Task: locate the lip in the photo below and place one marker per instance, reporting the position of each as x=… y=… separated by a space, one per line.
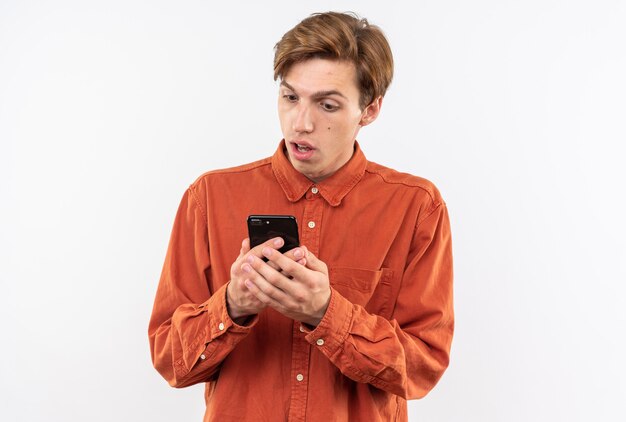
x=302 y=143
x=301 y=155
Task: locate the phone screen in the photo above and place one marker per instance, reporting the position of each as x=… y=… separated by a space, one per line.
x=264 y=227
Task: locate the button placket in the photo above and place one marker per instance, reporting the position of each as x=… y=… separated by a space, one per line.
x=300 y=357
x=310 y=236
x=301 y=349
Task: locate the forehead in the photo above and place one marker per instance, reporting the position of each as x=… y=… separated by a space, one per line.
x=315 y=75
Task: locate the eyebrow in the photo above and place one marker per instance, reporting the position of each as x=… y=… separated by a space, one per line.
x=317 y=94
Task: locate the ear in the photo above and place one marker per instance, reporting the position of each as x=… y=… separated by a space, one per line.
x=371 y=112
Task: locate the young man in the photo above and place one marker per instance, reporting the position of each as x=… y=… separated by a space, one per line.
x=356 y=320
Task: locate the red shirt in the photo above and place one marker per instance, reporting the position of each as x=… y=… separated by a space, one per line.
x=386 y=335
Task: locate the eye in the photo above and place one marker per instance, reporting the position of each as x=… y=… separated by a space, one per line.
x=292 y=98
x=328 y=106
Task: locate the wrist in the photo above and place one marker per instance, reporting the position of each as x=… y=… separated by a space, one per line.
x=237 y=314
x=315 y=319
x=231 y=307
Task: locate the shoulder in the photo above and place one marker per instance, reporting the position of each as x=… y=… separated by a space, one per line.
x=394 y=179
x=234 y=174
x=244 y=168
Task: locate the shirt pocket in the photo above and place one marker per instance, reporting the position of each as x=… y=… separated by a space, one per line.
x=368 y=288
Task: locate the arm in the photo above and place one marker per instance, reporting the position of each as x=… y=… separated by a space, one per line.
x=190 y=330
x=406 y=355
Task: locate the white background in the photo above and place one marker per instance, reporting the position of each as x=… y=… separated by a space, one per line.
x=515 y=109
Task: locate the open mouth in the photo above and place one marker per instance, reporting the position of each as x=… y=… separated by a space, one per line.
x=302 y=151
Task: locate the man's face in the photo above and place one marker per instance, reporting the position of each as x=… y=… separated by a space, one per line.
x=318 y=107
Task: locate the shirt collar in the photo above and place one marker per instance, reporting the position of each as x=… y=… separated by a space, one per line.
x=333 y=189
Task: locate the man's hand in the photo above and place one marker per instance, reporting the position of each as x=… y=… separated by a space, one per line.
x=241 y=302
x=300 y=292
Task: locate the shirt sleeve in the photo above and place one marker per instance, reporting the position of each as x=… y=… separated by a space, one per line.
x=407 y=354
x=190 y=331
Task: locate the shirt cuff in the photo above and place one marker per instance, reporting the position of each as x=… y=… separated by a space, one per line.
x=331 y=332
x=220 y=321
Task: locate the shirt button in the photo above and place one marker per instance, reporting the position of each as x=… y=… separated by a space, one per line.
x=299 y=377
x=315 y=190
x=311 y=224
x=320 y=342
x=202 y=357
x=221 y=326
x=301 y=329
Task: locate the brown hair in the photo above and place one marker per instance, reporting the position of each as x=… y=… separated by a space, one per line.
x=340 y=36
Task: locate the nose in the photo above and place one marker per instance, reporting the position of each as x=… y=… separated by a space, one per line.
x=303 y=122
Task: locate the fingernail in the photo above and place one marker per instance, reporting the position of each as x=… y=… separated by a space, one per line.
x=246 y=268
x=250 y=259
x=268 y=251
x=278 y=242
x=298 y=253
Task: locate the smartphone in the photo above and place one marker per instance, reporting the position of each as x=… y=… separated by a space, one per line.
x=265 y=227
